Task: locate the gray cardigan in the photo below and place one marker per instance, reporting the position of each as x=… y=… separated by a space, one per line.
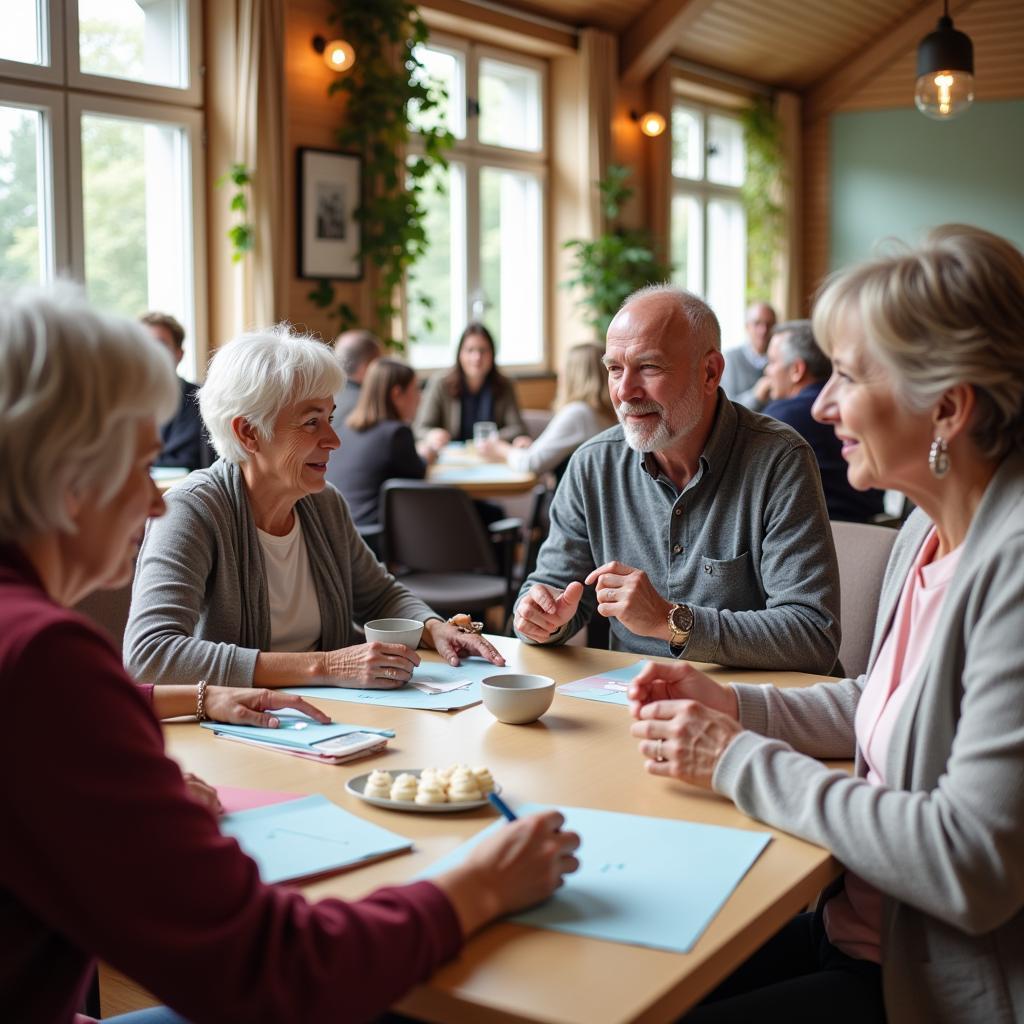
x=944 y=839
x=199 y=599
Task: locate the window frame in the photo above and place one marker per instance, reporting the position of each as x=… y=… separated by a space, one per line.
x=474 y=156
x=64 y=92
x=702 y=189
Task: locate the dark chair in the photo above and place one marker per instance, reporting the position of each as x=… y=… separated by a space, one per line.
x=441 y=550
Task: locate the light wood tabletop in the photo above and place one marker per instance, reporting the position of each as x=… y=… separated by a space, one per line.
x=579 y=754
x=460 y=466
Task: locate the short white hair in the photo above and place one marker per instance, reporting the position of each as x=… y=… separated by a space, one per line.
x=694 y=310
x=258 y=374
x=74 y=385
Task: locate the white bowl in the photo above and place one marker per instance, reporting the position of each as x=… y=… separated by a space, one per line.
x=395 y=631
x=517 y=699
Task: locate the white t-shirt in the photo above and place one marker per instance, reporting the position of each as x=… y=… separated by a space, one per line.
x=294 y=611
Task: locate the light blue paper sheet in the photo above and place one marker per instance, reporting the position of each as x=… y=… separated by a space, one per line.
x=471 y=670
x=302 y=838
x=595 y=687
x=642 y=881
x=295 y=731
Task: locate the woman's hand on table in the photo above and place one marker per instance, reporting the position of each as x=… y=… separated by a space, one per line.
x=520 y=865
x=453 y=644
x=437 y=438
x=238 y=706
x=370 y=666
x=660 y=682
x=203 y=793
x=684 y=739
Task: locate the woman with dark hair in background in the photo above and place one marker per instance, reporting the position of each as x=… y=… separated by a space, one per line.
x=473 y=391
x=376 y=441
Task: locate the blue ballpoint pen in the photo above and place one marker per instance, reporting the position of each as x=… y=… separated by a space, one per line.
x=502 y=806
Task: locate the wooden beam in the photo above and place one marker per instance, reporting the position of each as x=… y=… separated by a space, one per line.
x=649 y=41
x=827 y=93
x=501 y=26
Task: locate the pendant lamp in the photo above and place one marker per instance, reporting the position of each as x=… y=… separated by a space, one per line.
x=945 y=71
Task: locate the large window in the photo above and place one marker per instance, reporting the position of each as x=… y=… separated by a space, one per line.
x=708 y=230
x=101 y=165
x=485 y=220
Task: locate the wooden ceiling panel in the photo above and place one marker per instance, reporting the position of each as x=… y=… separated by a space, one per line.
x=787 y=42
x=996 y=28
x=614 y=15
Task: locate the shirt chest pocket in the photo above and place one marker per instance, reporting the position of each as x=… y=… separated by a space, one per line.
x=726 y=583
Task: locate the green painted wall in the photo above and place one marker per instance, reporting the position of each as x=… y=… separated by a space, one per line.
x=897 y=173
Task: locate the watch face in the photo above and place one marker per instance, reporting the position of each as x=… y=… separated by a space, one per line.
x=682 y=618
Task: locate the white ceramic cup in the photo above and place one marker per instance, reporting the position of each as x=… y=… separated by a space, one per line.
x=517 y=699
x=484 y=431
x=394 y=631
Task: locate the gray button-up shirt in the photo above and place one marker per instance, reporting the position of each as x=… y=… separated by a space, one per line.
x=746 y=544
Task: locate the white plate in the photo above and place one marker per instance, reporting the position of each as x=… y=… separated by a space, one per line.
x=357 y=785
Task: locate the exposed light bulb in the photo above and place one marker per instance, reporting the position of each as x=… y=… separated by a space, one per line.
x=944 y=94
x=652 y=124
x=339 y=55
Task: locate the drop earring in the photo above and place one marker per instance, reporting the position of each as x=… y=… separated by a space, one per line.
x=938 y=457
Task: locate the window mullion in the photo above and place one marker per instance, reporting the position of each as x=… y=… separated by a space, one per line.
x=476 y=301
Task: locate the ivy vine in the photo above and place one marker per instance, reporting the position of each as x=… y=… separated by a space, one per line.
x=385 y=85
x=242 y=234
x=762 y=133
x=610 y=267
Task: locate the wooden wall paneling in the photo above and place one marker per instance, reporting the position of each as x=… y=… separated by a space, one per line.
x=310 y=117
x=815 y=237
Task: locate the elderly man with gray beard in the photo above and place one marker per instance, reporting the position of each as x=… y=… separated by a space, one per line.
x=697 y=527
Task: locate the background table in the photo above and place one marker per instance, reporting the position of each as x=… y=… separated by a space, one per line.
x=460 y=466
x=580 y=754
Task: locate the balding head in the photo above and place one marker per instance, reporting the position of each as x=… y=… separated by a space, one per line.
x=664 y=362
x=356 y=350
x=665 y=311
x=759 y=321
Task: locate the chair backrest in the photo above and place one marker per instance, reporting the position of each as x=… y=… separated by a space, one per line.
x=536 y=420
x=863 y=552
x=433 y=528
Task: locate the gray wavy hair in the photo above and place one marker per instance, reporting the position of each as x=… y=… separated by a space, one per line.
x=947 y=312
x=256 y=375
x=74 y=382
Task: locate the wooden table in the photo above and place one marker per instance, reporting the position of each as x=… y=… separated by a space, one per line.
x=580 y=754
x=460 y=466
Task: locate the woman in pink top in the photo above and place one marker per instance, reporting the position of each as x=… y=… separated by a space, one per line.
x=927 y=923
x=103 y=851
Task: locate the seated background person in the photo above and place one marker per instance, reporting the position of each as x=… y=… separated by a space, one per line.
x=184 y=443
x=927 y=923
x=700 y=526
x=356 y=351
x=376 y=441
x=256 y=574
x=583 y=410
x=796 y=372
x=742 y=379
x=473 y=391
x=104 y=851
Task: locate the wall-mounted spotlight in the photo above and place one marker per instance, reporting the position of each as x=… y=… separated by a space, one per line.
x=945 y=71
x=338 y=54
x=651 y=123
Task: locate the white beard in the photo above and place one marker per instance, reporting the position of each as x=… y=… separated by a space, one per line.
x=660 y=435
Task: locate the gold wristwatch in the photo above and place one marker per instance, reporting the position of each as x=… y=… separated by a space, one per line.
x=680 y=621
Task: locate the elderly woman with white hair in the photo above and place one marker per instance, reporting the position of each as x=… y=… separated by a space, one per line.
x=105 y=853
x=257 y=573
x=927 y=923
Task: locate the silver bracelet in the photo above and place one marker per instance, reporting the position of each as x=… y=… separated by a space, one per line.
x=201 y=701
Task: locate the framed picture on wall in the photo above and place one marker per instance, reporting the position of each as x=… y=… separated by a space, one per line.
x=329 y=193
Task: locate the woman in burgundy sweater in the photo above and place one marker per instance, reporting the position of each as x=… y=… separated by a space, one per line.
x=104 y=853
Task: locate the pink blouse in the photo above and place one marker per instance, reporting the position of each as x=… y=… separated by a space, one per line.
x=853 y=918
